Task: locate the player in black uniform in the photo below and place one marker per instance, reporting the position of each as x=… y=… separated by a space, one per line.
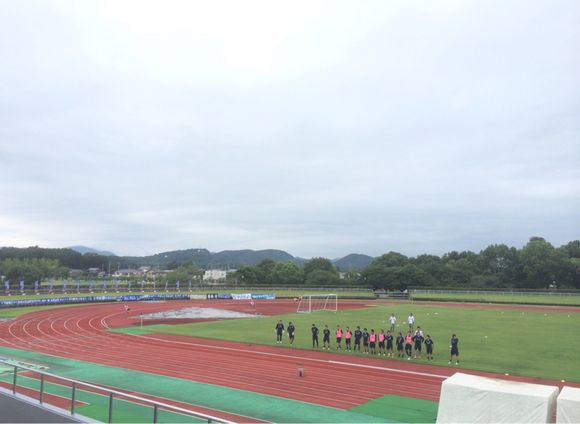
x=389 y=339
x=314 y=330
x=365 y=336
x=429 y=347
x=326 y=338
x=454 y=349
x=418 y=339
x=291 y=330
x=279 y=331
x=400 y=343
x=357 y=337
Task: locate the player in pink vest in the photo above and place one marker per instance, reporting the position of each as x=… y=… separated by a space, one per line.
x=373 y=342
x=409 y=345
x=338 y=337
x=347 y=337
x=382 y=343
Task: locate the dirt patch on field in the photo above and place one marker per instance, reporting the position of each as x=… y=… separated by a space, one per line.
x=196 y=313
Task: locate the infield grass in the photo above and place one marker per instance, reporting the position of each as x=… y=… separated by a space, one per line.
x=527 y=343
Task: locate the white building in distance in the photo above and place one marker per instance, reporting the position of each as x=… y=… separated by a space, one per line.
x=214 y=274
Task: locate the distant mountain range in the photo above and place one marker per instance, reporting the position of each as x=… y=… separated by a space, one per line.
x=84 y=249
x=224 y=259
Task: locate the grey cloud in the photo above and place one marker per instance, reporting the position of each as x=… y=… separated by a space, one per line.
x=327 y=129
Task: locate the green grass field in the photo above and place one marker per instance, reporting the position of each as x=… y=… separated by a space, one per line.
x=534 y=344
x=500 y=298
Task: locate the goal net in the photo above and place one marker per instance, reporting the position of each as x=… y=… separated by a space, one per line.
x=318 y=302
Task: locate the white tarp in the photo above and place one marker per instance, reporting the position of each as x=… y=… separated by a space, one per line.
x=472 y=399
x=568 y=406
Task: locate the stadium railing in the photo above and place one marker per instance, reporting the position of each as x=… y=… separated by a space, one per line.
x=500 y=292
x=76 y=385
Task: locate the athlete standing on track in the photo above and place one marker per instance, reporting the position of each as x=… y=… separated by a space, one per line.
x=418 y=339
x=382 y=342
x=291 y=330
x=454 y=349
x=347 y=337
x=357 y=337
x=279 y=331
x=365 y=336
x=389 y=339
x=373 y=342
x=314 y=330
x=400 y=343
x=409 y=345
x=326 y=338
x=429 y=347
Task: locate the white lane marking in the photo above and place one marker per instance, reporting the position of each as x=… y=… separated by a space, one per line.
x=302 y=358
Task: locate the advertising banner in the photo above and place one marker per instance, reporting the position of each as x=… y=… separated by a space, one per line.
x=269 y=296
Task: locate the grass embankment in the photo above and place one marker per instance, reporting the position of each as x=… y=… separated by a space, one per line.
x=503 y=298
x=534 y=344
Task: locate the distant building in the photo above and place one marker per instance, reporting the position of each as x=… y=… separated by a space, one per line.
x=214 y=274
x=129 y=272
x=74 y=273
x=94 y=271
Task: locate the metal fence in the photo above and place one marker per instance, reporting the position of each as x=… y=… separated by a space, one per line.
x=150 y=287
x=110 y=394
x=498 y=292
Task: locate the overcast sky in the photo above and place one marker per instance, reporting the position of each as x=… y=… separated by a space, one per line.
x=321 y=128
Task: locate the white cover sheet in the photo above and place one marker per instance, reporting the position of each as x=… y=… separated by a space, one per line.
x=472 y=399
x=568 y=410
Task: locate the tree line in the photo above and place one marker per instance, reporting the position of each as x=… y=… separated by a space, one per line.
x=538 y=265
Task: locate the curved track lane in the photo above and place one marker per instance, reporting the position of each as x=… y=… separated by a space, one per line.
x=81 y=333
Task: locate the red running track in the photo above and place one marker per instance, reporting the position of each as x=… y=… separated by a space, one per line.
x=80 y=332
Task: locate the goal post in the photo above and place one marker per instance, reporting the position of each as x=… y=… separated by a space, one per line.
x=317 y=302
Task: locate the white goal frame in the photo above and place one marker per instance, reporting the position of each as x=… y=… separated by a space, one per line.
x=317 y=302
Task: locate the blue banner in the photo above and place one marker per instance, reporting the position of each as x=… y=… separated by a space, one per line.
x=269 y=296
x=90 y=299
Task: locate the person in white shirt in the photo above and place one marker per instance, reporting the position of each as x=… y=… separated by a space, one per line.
x=419 y=332
x=393 y=321
x=411 y=321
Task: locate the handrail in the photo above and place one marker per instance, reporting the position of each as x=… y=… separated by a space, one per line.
x=155 y=404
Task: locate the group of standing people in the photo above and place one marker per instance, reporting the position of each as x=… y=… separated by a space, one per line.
x=381 y=343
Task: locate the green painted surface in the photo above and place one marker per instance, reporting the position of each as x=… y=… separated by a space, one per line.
x=401 y=409
x=98 y=405
x=265 y=407
x=496 y=340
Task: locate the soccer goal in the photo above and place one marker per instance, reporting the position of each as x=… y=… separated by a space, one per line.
x=318 y=302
